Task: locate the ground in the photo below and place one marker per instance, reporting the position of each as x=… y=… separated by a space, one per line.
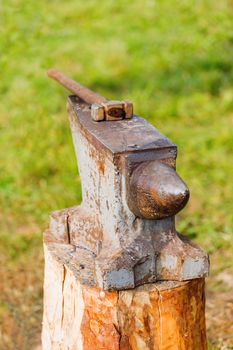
x=174 y=61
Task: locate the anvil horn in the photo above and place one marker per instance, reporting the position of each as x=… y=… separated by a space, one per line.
x=156 y=191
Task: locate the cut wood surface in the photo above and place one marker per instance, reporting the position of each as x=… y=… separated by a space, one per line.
x=159 y=316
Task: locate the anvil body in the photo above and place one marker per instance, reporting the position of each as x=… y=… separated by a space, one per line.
x=102 y=240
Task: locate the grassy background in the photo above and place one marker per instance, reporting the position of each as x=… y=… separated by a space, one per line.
x=172 y=59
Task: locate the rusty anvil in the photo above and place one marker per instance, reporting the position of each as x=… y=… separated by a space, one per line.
x=123 y=234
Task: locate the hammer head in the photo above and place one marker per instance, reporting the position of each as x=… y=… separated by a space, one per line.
x=112 y=110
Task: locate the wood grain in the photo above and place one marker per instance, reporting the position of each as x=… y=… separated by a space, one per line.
x=158 y=316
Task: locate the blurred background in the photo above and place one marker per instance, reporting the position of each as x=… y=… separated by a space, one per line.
x=174 y=60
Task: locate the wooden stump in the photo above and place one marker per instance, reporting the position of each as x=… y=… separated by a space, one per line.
x=159 y=316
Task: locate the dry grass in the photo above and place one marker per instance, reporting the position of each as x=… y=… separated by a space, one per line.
x=21 y=274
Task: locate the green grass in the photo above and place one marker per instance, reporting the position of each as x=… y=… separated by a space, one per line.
x=172 y=59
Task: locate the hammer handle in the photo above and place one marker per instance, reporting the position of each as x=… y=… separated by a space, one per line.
x=79 y=90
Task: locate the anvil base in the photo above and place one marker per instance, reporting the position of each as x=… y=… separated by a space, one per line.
x=148 y=258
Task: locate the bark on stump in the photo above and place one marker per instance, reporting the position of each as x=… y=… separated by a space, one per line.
x=159 y=316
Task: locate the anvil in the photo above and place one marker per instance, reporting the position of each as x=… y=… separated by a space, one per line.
x=123 y=233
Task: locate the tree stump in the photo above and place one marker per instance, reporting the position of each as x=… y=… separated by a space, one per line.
x=158 y=316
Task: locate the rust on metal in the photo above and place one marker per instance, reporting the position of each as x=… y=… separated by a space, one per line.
x=156 y=191
x=126 y=136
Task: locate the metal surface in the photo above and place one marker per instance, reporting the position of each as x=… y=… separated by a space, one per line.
x=156 y=191
x=123 y=234
x=134 y=136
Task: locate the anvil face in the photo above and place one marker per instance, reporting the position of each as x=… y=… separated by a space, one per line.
x=130 y=193
x=122 y=136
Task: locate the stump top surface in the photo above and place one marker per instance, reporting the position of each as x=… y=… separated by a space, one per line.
x=122 y=136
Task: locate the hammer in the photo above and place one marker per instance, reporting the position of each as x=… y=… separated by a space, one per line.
x=101 y=108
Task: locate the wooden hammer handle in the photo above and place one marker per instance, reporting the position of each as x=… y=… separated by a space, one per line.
x=79 y=90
